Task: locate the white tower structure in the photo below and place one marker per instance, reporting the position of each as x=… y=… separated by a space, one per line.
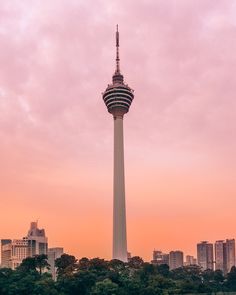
x=118 y=98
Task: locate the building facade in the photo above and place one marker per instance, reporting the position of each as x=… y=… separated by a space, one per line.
x=160 y=258
x=220 y=255
x=38 y=242
x=14 y=251
x=224 y=255
x=190 y=260
x=229 y=255
x=53 y=254
x=5 y=253
x=205 y=255
x=176 y=259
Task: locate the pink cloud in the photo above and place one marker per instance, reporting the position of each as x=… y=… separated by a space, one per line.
x=56 y=135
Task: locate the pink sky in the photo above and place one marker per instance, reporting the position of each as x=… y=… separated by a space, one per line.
x=56 y=58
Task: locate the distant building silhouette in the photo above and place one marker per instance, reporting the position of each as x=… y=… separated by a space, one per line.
x=205 y=255
x=14 y=251
x=190 y=260
x=160 y=258
x=224 y=255
x=5 y=253
x=176 y=259
x=38 y=242
x=53 y=254
x=220 y=255
x=229 y=255
x=129 y=256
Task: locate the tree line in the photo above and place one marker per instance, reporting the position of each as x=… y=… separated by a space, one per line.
x=100 y=277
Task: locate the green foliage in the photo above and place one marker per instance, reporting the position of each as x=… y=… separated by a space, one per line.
x=100 y=277
x=105 y=287
x=45 y=286
x=41 y=263
x=135 y=262
x=231 y=279
x=116 y=265
x=80 y=283
x=163 y=269
x=66 y=264
x=33 y=264
x=28 y=265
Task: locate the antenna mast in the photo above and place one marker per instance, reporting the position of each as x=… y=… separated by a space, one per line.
x=117 y=51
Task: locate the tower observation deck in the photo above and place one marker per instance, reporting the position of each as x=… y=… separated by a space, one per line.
x=118 y=97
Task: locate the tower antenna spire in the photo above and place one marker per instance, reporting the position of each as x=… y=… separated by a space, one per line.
x=117 y=51
x=118 y=98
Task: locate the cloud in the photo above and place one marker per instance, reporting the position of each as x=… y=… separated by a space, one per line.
x=57 y=57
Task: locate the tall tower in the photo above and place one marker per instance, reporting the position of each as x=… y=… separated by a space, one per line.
x=118 y=97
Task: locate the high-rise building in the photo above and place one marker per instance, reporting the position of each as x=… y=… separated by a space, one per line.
x=176 y=259
x=14 y=252
x=118 y=97
x=160 y=258
x=53 y=254
x=225 y=255
x=5 y=252
x=219 y=255
x=205 y=255
x=38 y=242
x=190 y=260
x=229 y=254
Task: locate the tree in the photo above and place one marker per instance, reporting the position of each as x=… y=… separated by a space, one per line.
x=158 y=283
x=84 y=263
x=45 y=286
x=36 y=263
x=135 y=262
x=22 y=283
x=27 y=265
x=116 y=265
x=98 y=264
x=100 y=277
x=145 y=272
x=5 y=275
x=66 y=264
x=218 y=276
x=79 y=283
x=163 y=269
x=131 y=286
x=41 y=262
x=231 y=279
x=106 y=287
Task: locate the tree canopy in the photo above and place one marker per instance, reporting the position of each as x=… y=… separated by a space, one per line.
x=100 y=277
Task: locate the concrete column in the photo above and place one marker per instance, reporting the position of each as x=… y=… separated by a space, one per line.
x=119 y=211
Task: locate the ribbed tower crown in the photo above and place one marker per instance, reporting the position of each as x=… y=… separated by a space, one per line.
x=118 y=96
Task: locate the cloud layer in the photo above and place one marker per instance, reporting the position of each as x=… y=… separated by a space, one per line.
x=56 y=58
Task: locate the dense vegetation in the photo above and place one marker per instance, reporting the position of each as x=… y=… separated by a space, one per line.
x=99 y=277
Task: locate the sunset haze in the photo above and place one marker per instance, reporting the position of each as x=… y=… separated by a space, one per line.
x=56 y=137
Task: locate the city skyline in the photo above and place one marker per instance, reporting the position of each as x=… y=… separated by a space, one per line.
x=56 y=140
x=219 y=254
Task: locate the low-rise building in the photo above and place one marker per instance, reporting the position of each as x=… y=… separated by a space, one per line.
x=53 y=254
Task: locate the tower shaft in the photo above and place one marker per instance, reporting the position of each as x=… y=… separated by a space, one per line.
x=118 y=97
x=119 y=210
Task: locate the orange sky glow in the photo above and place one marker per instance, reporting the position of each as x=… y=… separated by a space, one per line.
x=56 y=136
